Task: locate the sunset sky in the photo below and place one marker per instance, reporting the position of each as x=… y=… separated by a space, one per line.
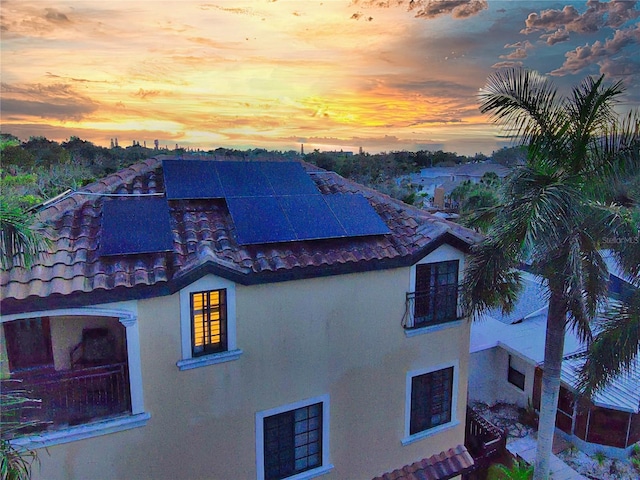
x=332 y=74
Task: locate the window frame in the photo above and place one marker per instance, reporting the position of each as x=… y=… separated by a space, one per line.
x=188 y=360
x=514 y=375
x=431 y=301
x=208 y=347
x=325 y=466
x=442 y=253
x=453 y=421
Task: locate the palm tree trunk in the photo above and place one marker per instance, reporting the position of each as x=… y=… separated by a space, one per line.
x=553 y=351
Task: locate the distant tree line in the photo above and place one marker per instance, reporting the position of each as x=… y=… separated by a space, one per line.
x=38 y=169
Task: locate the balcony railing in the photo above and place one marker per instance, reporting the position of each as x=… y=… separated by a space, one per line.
x=73 y=397
x=432 y=307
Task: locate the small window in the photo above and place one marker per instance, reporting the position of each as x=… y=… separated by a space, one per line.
x=431 y=400
x=209 y=322
x=515 y=377
x=292 y=441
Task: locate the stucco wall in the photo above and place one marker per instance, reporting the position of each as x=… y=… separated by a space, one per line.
x=338 y=335
x=488 y=381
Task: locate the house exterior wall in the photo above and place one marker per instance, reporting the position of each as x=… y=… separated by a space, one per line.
x=488 y=381
x=66 y=333
x=339 y=336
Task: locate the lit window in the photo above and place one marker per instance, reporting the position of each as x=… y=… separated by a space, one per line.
x=431 y=400
x=209 y=322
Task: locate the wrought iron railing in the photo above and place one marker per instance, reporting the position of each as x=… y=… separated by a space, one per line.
x=431 y=307
x=72 y=397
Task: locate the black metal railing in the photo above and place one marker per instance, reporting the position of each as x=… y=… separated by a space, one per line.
x=431 y=307
x=73 y=397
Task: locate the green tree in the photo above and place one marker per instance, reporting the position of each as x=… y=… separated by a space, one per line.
x=519 y=470
x=22 y=240
x=557 y=213
x=15 y=461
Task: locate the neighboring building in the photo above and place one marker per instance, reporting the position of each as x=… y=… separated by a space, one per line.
x=199 y=319
x=507 y=360
x=450 y=177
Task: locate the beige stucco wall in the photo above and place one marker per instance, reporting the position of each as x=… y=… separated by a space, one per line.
x=66 y=333
x=338 y=335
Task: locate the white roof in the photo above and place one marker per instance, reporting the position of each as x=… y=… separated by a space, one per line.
x=526 y=338
x=621 y=394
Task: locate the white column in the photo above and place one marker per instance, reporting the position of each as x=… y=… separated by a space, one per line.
x=134 y=363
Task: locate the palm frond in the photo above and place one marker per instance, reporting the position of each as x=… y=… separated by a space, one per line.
x=615 y=348
x=524 y=102
x=491 y=280
x=22 y=240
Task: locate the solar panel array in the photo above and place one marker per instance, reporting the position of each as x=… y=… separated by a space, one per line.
x=205 y=179
x=271 y=202
x=135 y=225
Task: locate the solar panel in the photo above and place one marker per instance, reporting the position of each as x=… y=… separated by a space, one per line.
x=243 y=179
x=289 y=178
x=135 y=225
x=259 y=220
x=191 y=179
x=310 y=217
x=356 y=215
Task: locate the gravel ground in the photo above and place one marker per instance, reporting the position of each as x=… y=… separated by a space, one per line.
x=606 y=469
x=504 y=415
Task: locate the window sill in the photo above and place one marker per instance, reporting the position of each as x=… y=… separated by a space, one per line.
x=427 y=433
x=316 y=472
x=412 y=332
x=81 y=432
x=196 y=362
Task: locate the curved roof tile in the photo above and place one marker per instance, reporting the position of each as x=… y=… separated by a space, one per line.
x=204 y=241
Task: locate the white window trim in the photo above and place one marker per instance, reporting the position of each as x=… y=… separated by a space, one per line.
x=127 y=314
x=81 y=432
x=433 y=328
x=408 y=438
x=204 y=284
x=316 y=472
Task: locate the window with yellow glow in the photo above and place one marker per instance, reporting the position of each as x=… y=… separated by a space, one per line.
x=209 y=322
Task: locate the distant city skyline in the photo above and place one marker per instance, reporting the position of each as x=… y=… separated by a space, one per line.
x=275 y=74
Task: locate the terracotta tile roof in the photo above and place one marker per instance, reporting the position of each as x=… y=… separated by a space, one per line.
x=442 y=466
x=72 y=273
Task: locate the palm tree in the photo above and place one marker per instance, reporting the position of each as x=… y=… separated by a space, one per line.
x=556 y=213
x=21 y=240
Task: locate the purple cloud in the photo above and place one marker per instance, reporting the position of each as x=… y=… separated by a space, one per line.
x=587 y=55
x=612 y=14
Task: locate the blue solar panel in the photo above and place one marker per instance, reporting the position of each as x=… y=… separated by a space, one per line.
x=191 y=179
x=310 y=217
x=259 y=220
x=356 y=215
x=289 y=178
x=243 y=179
x=135 y=225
